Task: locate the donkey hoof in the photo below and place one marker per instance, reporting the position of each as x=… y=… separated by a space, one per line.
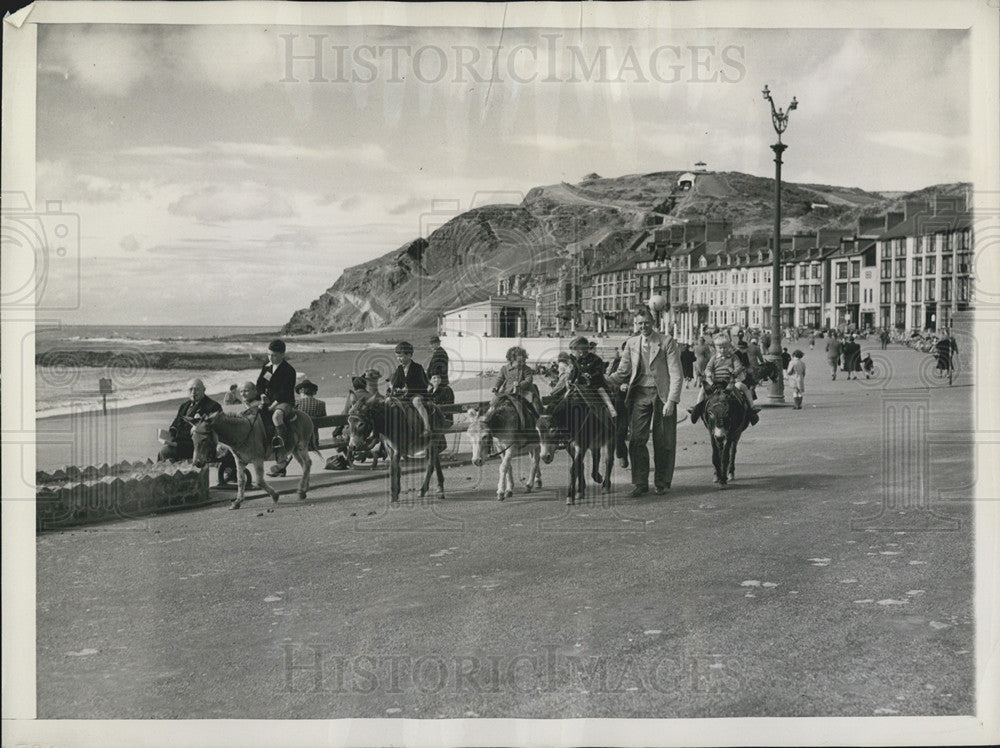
x=234 y=505
x=508 y=494
x=538 y=483
x=302 y=495
x=569 y=501
x=501 y=496
x=423 y=492
x=274 y=498
x=394 y=499
x=527 y=488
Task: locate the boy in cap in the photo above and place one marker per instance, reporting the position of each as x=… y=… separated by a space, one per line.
x=590 y=370
x=276 y=386
x=723 y=367
x=410 y=380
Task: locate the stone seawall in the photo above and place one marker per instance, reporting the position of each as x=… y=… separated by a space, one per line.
x=76 y=496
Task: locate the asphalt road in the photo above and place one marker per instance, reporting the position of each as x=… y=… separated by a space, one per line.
x=834 y=577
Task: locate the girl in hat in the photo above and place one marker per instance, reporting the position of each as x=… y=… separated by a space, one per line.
x=797 y=372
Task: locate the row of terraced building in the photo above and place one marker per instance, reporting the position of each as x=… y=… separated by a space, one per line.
x=908 y=270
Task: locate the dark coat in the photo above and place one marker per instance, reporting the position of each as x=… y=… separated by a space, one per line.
x=280 y=386
x=181 y=429
x=438 y=364
x=687 y=363
x=413 y=383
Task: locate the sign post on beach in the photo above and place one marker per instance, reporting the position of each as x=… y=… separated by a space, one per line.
x=105 y=389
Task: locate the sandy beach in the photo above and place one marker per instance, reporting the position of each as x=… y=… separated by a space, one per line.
x=128 y=432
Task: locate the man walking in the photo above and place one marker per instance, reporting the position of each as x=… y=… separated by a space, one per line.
x=834 y=349
x=650 y=374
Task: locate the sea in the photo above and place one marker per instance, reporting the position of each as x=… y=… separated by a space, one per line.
x=61 y=388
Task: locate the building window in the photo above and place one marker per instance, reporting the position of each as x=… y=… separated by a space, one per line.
x=815 y=271
x=946 y=265
x=803 y=294
x=886 y=269
x=816 y=294
x=789 y=272
x=918 y=264
x=963 y=289
x=916 y=291
x=789 y=295
x=931 y=265
x=929 y=284
x=841 y=271
x=885 y=292
x=900 y=292
x=920 y=245
x=855 y=268
x=946 y=289
x=802 y=271
x=917 y=322
x=855 y=293
x=901 y=268
x=900 y=247
x=841 y=293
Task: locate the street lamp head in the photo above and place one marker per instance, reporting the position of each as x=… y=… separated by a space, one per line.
x=793 y=105
x=767 y=93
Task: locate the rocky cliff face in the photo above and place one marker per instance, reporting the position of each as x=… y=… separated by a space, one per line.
x=461 y=261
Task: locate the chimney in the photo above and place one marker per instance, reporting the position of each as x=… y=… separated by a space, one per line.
x=871 y=225
x=893 y=218
x=912 y=208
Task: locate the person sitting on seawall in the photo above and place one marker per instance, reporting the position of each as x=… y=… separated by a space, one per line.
x=590 y=372
x=276 y=386
x=198 y=404
x=308 y=403
x=410 y=380
x=724 y=367
x=441 y=394
x=515 y=378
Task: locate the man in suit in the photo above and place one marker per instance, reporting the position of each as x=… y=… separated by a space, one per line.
x=197 y=404
x=410 y=380
x=650 y=373
x=276 y=386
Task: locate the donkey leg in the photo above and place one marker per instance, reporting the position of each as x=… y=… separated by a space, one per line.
x=717 y=459
x=241 y=482
x=571 y=491
x=595 y=452
x=302 y=456
x=394 y=476
x=609 y=463
x=440 y=473
x=732 y=459
x=501 y=477
x=508 y=490
x=428 y=472
x=258 y=467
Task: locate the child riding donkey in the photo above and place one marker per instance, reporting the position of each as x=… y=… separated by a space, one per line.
x=724 y=367
x=276 y=387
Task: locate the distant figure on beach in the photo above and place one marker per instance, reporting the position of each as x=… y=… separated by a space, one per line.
x=233 y=396
x=198 y=404
x=410 y=380
x=439 y=360
x=276 y=386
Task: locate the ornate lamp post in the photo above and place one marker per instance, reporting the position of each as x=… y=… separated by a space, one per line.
x=779 y=118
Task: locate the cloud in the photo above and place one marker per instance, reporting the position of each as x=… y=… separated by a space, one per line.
x=104 y=59
x=232 y=58
x=350 y=203
x=129 y=243
x=552 y=142
x=414 y=203
x=929 y=144
x=246 y=201
x=56 y=180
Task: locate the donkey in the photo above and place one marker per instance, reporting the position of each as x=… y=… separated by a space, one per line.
x=726 y=416
x=247 y=440
x=583 y=423
x=400 y=428
x=513 y=435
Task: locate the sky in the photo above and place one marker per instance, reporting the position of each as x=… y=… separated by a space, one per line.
x=228 y=174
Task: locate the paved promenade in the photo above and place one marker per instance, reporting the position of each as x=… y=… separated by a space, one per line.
x=834 y=577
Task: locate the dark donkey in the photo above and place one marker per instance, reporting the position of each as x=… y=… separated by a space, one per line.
x=582 y=422
x=400 y=428
x=726 y=416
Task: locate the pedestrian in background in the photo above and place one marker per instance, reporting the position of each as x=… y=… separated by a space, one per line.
x=834 y=350
x=797 y=372
x=438 y=363
x=687 y=364
x=702 y=352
